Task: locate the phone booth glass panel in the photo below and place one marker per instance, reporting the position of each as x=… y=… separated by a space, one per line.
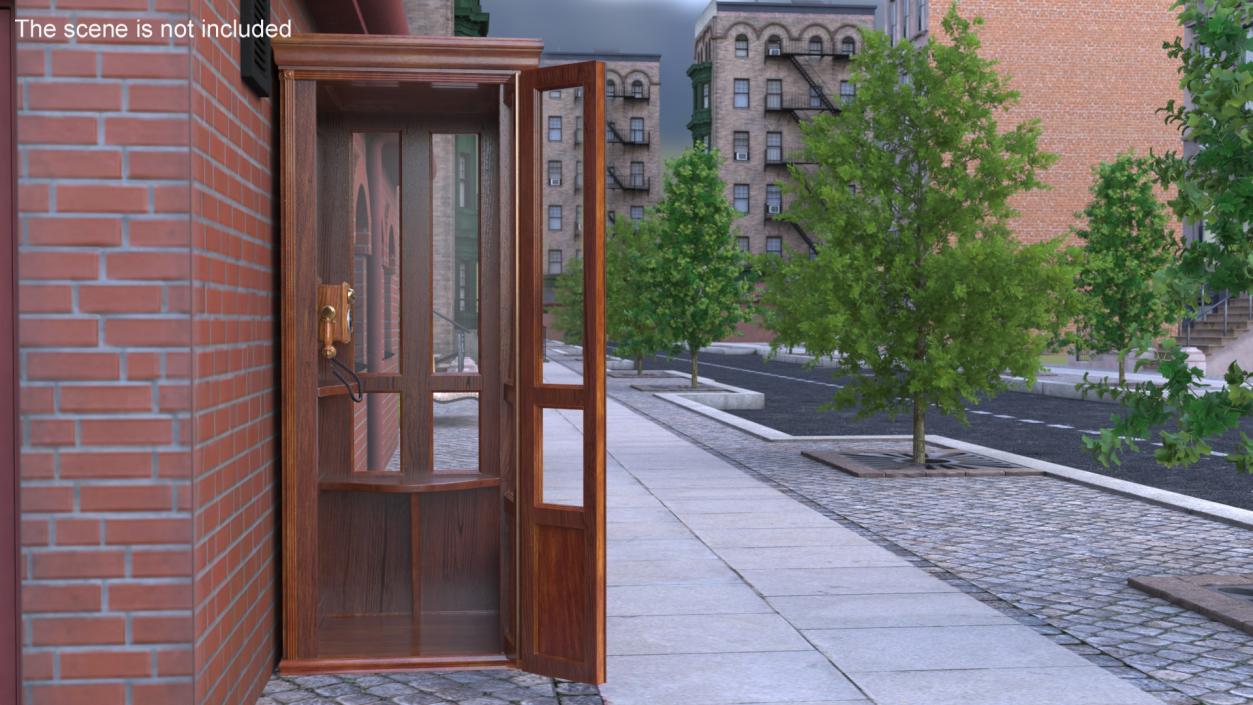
x=442 y=498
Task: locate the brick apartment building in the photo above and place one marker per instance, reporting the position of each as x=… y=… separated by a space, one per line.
x=760 y=69
x=146 y=263
x=632 y=150
x=1094 y=74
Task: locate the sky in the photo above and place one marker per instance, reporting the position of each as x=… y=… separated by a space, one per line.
x=665 y=27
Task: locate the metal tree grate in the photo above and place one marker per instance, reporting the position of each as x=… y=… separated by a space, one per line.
x=955 y=460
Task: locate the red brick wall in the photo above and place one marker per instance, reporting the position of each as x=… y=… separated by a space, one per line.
x=105 y=334
x=1094 y=73
x=234 y=246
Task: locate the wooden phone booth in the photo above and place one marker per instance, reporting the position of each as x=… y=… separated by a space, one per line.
x=443 y=496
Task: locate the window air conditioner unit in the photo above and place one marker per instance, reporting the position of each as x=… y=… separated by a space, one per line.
x=775 y=51
x=741 y=156
x=554 y=182
x=774 y=209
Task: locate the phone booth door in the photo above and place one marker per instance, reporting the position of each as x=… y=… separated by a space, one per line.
x=413 y=419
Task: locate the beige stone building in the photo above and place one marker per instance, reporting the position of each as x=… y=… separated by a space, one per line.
x=632 y=155
x=760 y=69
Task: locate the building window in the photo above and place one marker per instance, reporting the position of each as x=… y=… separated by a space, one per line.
x=774 y=147
x=815 y=46
x=774 y=94
x=578 y=222
x=554 y=261
x=892 y=21
x=611 y=216
x=637 y=88
x=848 y=45
x=555 y=95
x=741 y=146
x=906 y=30
x=742 y=241
x=611 y=88
x=847 y=92
x=637 y=174
x=554 y=218
x=704 y=96
x=774 y=245
x=708 y=143
x=741 y=93
x=774 y=199
x=554 y=128
x=741 y=198
x=578 y=174
x=924 y=14
x=774 y=46
x=554 y=172
x=815 y=98
x=637 y=212
x=741 y=47
x=637 y=130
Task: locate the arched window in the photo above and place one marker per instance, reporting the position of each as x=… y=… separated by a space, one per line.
x=815 y=46
x=774 y=46
x=741 y=46
x=611 y=88
x=637 y=88
x=849 y=46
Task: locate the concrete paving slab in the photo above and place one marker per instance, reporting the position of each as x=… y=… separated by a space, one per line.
x=703 y=599
x=809 y=557
x=697 y=634
x=659 y=549
x=684 y=507
x=859 y=611
x=844 y=581
x=751 y=538
x=1086 y=685
x=800 y=517
x=752 y=491
x=940 y=648
x=673 y=529
x=720 y=679
x=672 y=572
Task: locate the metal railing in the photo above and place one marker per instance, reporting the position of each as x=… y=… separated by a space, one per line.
x=461 y=331
x=1211 y=304
x=802 y=47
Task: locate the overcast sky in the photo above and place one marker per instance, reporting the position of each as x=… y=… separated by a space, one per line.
x=665 y=27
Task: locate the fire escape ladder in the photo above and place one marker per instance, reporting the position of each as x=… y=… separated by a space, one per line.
x=815 y=84
x=805 y=236
x=613 y=175
x=613 y=130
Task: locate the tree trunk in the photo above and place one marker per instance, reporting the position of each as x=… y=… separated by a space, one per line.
x=1122 y=368
x=920 y=431
x=639 y=365
x=693 y=350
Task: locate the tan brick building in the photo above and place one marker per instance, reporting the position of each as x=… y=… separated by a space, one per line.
x=760 y=69
x=632 y=152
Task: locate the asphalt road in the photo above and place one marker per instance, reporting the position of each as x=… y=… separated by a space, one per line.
x=1037 y=426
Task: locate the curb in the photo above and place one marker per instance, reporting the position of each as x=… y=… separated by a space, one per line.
x=1233 y=516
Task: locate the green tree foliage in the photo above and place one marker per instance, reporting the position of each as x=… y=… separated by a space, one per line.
x=633 y=266
x=567 y=308
x=918 y=285
x=1128 y=242
x=1214 y=186
x=701 y=291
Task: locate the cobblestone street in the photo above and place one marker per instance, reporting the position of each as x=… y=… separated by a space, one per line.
x=501 y=687
x=1052 y=554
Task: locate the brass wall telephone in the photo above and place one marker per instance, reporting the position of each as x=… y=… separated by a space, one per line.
x=335 y=327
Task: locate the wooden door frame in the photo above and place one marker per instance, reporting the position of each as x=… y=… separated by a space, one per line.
x=562 y=624
x=10 y=587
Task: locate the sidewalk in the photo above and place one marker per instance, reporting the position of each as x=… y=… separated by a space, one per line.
x=724 y=590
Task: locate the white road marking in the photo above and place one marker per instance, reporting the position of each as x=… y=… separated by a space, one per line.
x=1062 y=426
x=1030 y=421
x=756 y=372
x=1003 y=416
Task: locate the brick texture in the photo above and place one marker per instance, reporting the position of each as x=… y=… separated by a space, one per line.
x=148 y=363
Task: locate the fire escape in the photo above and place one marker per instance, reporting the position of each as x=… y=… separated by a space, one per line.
x=802 y=56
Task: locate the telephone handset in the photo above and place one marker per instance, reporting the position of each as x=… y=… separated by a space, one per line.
x=335 y=327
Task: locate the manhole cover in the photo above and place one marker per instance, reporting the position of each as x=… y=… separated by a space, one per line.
x=1241 y=592
x=956 y=460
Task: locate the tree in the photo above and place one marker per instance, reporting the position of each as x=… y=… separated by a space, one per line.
x=568 y=302
x=1214 y=188
x=1128 y=242
x=918 y=280
x=701 y=291
x=633 y=264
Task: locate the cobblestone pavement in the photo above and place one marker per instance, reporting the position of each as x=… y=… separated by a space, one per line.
x=1053 y=554
x=496 y=687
